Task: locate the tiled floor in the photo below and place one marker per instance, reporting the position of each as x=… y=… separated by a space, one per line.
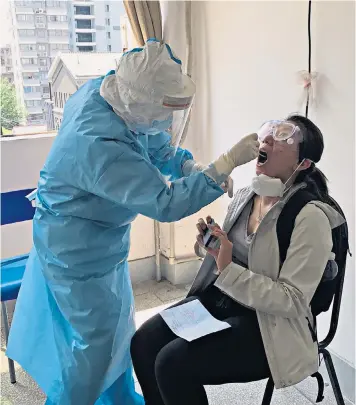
x=151 y=298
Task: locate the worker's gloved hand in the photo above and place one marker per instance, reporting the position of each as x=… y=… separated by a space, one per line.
x=191 y=167
x=243 y=152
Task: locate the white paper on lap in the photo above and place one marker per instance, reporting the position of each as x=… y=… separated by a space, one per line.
x=191 y=321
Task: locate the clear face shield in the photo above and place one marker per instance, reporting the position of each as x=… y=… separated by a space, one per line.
x=282 y=131
x=180 y=114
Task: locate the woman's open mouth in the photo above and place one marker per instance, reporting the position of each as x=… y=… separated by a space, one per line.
x=262 y=158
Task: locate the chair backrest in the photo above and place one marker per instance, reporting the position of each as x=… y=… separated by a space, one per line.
x=335 y=311
x=22 y=158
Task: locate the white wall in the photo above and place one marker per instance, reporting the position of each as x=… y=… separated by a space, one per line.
x=22 y=158
x=246 y=58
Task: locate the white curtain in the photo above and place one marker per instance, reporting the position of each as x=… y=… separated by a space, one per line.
x=145 y=19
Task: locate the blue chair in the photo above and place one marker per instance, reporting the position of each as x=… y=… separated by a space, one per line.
x=12 y=271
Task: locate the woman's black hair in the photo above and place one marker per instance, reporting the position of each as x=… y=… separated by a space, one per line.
x=312 y=148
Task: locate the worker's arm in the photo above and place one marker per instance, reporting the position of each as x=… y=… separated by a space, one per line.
x=136 y=184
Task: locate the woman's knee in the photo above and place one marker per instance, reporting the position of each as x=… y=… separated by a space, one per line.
x=171 y=361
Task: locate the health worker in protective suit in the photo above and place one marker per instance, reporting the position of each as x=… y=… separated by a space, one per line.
x=119 y=137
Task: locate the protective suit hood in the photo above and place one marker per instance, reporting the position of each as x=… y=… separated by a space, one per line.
x=148 y=89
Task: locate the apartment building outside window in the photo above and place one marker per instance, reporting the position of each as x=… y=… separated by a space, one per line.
x=107 y=20
x=107 y=8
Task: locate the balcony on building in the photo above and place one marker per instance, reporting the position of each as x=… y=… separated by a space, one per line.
x=30 y=68
x=25 y=21
x=27 y=36
x=57 y=22
x=55 y=37
x=32 y=93
x=31 y=79
x=57 y=7
x=85 y=39
x=85 y=26
x=24 y=7
x=83 y=12
x=86 y=48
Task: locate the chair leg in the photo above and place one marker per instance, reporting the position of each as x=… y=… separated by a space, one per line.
x=267 y=397
x=333 y=377
x=6 y=330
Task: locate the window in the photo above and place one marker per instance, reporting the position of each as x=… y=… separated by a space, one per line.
x=29 y=61
x=84 y=37
x=57 y=4
x=41 y=33
x=24 y=18
x=41 y=47
x=45 y=89
x=28 y=47
x=57 y=33
x=40 y=19
x=27 y=3
x=26 y=33
x=31 y=76
x=82 y=10
x=107 y=20
x=83 y=24
x=109 y=48
x=27 y=89
x=108 y=34
x=62 y=47
x=85 y=49
x=58 y=18
x=43 y=61
x=107 y=8
x=43 y=75
x=29 y=103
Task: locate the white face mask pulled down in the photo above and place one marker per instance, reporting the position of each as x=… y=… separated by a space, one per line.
x=266 y=186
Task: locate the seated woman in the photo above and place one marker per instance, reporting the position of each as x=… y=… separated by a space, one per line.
x=266 y=302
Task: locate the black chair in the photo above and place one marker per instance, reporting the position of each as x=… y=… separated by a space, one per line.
x=267 y=398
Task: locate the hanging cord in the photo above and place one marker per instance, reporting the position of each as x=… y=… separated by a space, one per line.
x=309 y=55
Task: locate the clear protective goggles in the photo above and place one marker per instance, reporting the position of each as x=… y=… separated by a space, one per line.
x=280 y=131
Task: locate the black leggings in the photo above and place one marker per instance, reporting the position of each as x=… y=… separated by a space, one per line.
x=172 y=371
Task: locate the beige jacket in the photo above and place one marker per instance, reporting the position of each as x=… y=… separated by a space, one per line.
x=280 y=295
